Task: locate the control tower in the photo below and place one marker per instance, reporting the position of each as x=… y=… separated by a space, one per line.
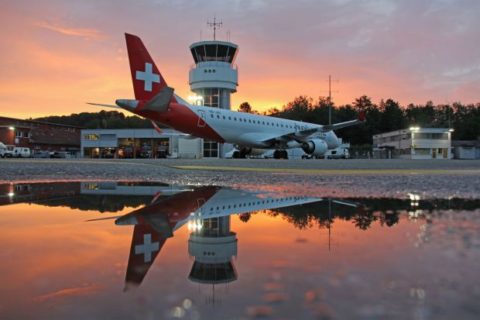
x=214 y=77
x=213 y=248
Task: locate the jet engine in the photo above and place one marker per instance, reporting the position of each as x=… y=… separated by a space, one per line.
x=315 y=147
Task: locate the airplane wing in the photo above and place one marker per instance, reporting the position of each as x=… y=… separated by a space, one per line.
x=303 y=135
x=345 y=124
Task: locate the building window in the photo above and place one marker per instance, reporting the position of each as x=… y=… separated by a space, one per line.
x=422 y=151
x=211 y=97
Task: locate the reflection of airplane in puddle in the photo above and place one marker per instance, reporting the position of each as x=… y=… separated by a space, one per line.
x=206 y=212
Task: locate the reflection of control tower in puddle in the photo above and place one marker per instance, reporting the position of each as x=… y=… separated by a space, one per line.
x=213 y=246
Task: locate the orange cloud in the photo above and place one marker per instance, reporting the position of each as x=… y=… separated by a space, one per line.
x=69 y=292
x=75 y=32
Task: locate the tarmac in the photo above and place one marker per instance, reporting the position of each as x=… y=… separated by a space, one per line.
x=321 y=178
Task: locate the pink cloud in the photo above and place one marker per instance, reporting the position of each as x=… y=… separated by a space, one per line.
x=89 y=34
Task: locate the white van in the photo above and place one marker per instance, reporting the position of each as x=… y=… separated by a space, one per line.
x=338 y=153
x=21 y=152
x=3 y=150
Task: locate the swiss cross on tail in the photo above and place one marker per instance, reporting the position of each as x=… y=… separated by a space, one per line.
x=147 y=80
x=146 y=244
x=148 y=77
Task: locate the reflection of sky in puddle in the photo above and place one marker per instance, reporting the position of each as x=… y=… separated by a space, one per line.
x=209 y=252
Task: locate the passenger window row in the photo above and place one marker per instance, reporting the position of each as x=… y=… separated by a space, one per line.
x=245 y=204
x=280 y=125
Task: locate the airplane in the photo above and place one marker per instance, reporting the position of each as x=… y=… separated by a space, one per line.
x=156 y=222
x=156 y=101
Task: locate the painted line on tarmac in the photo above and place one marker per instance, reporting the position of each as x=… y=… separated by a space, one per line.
x=331 y=171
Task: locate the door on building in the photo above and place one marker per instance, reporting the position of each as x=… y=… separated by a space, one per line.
x=445 y=153
x=210 y=149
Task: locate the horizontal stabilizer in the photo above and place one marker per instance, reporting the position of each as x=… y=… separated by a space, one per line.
x=103 y=105
x=161 y=225
x=160 y=102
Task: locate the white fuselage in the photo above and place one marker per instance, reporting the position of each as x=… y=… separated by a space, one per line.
x=252 y=130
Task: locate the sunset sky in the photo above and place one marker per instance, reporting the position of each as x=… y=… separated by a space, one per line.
x=57 y=55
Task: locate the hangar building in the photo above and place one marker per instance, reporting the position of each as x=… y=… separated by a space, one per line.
x=138 y=143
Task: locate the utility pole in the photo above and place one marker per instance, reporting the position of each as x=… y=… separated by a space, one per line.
x=215 y=25
x=330 y=98
x=329 y=222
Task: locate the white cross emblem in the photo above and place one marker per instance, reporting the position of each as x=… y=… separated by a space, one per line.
x=148 y=77
x=147 y=248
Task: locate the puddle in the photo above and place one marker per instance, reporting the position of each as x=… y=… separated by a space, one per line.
x=152 y=250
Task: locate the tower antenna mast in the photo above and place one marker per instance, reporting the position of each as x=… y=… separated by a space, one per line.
x=215 y=25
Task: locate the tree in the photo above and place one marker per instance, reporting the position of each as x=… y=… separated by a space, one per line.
x=245 y=107
x=363 y=103
x=392 y=116
x=298 y=109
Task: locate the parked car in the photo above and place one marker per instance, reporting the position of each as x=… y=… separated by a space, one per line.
x=41 y=154
x=59 y=154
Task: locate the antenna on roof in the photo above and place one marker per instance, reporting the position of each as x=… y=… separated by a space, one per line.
x=215 y=25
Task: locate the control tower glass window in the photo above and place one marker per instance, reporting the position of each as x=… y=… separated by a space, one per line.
x=213 y=52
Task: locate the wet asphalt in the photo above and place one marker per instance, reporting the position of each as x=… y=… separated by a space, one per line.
x=322 y=178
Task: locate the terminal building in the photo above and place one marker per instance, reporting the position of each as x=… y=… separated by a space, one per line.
x=415 y=143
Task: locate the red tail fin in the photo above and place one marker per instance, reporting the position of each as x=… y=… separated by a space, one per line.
x=361 y=116
x=147 y=80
